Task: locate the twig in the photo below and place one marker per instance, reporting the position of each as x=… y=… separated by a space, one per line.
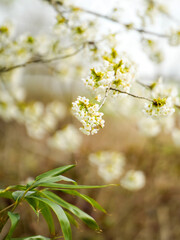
x=6 y=69
x=143 y=85
x=4 y=209
x=130 y=94
x=99 y=15
x=104 y=99
x=54 y=4
x=148 y=87
x=140 y=30
x=177 y=106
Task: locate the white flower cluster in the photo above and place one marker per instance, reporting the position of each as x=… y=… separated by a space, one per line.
x=133 y=180
x=160 y=107
x=164 y=90
x=88 y=114
x=153 y=50
x=11 y=92
x=152 y=127
x=24 y=48
x=67 y=139
x=78 y=30
x=114 y=72
x=149 y=127
x=40 y=120
x=174 y=38
x=110 y=164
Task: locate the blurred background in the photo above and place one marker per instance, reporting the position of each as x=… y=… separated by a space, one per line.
x=46 y=135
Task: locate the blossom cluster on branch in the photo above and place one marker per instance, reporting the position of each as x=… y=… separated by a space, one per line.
x=115 y=76
x=112 y=74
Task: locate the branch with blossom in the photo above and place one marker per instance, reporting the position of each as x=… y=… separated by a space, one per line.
x=114 y=77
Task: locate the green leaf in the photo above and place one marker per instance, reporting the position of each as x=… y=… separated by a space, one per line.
x=46 y=212
x=63 y=220
x=5 y=193
x=16 y=187
x=57 y=186
x=75 y=210
x=17 y=195
x=14 y=217
x=53 y=180
x=55 y=172
x=33 y=237
x=40 y=207
x=34 y=204
x=72 y=219
x=86 y=198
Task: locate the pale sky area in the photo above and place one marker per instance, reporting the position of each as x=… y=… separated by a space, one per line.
x=35 y=16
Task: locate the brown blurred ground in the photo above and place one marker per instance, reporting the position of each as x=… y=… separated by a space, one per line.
x=152 y=213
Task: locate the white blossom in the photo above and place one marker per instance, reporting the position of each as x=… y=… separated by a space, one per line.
x=161 y=89
x=67 y=139
x=149 y=127
x=88 y=114
x=174 y=38
x=41 y=120
x=36 y=130
x=57 y=108
x=160 y=107
x=8 y=111
x=114 y=72
x=110 y=164
x=133 y=180
x=34 y=111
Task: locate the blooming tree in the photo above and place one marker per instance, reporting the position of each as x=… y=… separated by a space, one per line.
x=79 y=48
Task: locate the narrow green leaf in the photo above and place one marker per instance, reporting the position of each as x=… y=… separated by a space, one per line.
x=55 y=172
x=17 y=187
x=40 y=207
x=63 y=220
x=14 y=217
x=34 y=204
x=57 y=186
x=75 y=210
x=14 y=187
x=46 y=212
x=53 y=180
x=72 y=219
x=17 y=195
x=33 y=237
x=86 y=198
x=5 y=193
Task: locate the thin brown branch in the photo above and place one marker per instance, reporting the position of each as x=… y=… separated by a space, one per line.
x=148 y=87
x=104 y=99
x=40 y=60
x=140 y=30
x=143 y=85
x=99 y=15
x=55 y=6
x=6 y=208
x=177 y=106
x=130 y=94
